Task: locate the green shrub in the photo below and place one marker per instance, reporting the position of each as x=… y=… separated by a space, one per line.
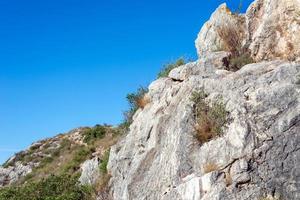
x=168 y=67
x=104 y=162
x=63 y=187
x=209 y=119
x=92 y=134
x=232 y=42
x=236 y=62
x=82 y=154
x=134 y=100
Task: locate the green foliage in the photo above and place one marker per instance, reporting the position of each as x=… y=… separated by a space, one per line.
x=104 y=162
x=168 y=67
x=81 y=155
x=209 y=119
x=232 y=42
x=63 y=187
x=239 y=61
x=134 y=100
x=92 y=134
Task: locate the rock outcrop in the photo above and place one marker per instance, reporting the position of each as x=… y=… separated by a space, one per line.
x=12 y=174
x=24 y=162
x=259 y=152
x=269 y=30
x=209 y=40
x=90 y=172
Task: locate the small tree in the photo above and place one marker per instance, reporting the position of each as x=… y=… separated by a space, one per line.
x=135 y=100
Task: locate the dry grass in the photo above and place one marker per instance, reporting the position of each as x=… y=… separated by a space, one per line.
x=209 y=167
x=231 y=39
x=232 y=42
x=102 y=187
x=228 y=179
x=143 y=101
x=204 y=129
x=210 y=120
x=70 y=157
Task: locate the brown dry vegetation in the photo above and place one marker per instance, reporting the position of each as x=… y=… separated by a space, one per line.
x=231 y=39
x=143 y=101
x=228 y=179
x=209 y=167
x=232 y=42
x=102 y=187
x=210 y=120
x=69 y=156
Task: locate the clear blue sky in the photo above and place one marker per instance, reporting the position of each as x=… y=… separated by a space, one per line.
x=70 y=63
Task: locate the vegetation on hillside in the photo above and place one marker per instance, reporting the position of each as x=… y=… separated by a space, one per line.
x=139 y=99
x=136 y=100
x=63 y=162
x=54 y=187
x=210 y=117
x=169 y=66
x=94 y=133
x=231 y=38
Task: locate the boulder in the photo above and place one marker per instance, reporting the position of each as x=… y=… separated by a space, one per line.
x=268 y=30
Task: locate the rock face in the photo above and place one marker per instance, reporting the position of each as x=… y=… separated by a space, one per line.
x=90 y=172
x=256 y=156
x=12 y=174
x=273 y=29
x=269 y=29
x=259 y=152
x=208 y=39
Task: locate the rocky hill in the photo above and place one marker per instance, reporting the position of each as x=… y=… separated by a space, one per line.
x=226 y=126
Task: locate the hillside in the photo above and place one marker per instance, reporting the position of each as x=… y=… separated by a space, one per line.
x=226 y=126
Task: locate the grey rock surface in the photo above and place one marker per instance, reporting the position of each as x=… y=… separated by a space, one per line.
x=208 y=39
x=11 y=174
x=258 y=155
x=90 y=172
x=269 y=29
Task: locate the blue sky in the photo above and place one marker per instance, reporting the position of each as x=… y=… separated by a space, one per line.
x=70 y=63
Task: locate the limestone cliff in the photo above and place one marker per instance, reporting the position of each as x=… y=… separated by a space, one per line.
x=269 y=28
x=258 y=154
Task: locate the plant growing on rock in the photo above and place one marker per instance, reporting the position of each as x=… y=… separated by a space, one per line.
x=210 y=167
x=209 y=119
x=101 y=187
x=168 y=67
x=231 y=42
x=135 y=100
x=104 y=162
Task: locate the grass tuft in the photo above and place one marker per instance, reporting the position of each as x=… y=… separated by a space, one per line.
x=209 y=119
